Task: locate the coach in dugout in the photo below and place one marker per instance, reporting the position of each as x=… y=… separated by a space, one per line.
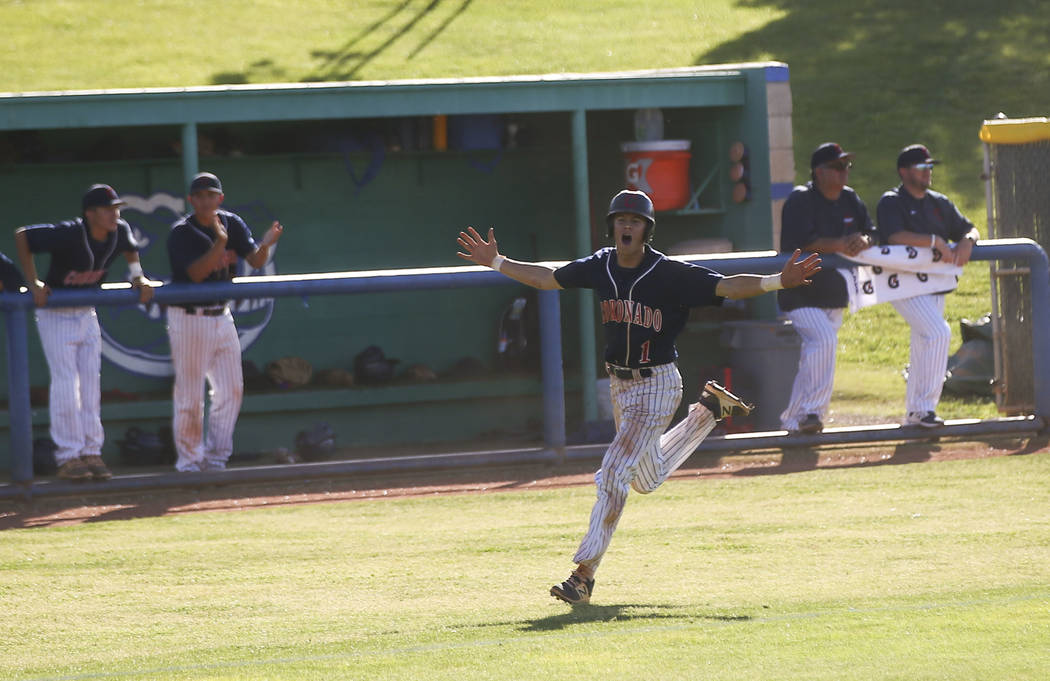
x=81 y=251
x=823 y=216
x=204 y=247
x=912 y=214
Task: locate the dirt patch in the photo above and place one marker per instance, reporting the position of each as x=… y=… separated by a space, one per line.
x=72 y=510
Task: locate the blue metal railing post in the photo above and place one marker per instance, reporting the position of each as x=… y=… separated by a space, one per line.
x=553 y=373
x=21 y=418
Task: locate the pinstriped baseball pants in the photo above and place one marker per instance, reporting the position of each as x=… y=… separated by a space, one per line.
x=931 y=339
x=811 y=390
x=72 y=345
x=204 y=348
x=641 y=456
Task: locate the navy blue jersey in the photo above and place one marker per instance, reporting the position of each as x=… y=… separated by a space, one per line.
x=77 y=260
x=807 y=216
x=9 y=275
x=933 y=214
x=643 y=308
x=188 y=241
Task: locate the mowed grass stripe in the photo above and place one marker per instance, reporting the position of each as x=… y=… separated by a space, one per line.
x=582 y=612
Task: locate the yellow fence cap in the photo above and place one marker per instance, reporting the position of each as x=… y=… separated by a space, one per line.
x=1015 y=130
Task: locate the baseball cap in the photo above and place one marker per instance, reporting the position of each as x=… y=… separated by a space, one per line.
x=912 y=154
x=101 y=195
x=205 y=182
x=829 y=151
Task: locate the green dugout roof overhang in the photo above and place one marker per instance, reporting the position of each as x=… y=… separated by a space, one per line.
x=694 y=86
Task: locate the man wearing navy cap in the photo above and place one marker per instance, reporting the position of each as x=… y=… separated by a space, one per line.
x=912 y=214
x=822 y=216
x=204 y=247
x=81 y=251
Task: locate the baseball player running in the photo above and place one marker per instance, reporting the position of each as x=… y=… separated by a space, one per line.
x=645 y=299
x=81 y=251
x=204 y=247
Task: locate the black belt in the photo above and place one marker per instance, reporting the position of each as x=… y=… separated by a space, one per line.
x=626 y=374
x=206 y=311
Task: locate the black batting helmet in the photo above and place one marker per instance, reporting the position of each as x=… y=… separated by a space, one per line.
x=636 y=203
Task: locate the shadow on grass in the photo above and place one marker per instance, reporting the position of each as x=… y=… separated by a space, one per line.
x=800 y=459
x=581 y=614
x=94 y=504
x=879 y=74
x=346 y=61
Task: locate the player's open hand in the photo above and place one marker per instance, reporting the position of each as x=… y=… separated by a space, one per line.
x=478 y=250
x=798 y=272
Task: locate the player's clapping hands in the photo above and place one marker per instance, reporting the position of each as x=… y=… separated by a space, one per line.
x=798 y=272
x=219 y=229
x=272 y=234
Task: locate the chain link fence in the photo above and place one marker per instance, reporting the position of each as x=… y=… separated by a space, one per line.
x=1017 y=170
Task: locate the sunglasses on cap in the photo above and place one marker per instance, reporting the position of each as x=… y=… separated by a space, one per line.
x=839 y=165
x=922 y=166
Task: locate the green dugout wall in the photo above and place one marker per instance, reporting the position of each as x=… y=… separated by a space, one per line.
x=361 y=181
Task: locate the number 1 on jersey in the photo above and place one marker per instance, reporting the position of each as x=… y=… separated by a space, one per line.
x=645 y=353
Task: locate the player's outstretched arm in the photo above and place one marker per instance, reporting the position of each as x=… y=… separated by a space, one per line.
x=796 y=272
x=486 y=252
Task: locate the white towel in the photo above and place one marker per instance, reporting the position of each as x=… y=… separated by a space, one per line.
x=894 y=272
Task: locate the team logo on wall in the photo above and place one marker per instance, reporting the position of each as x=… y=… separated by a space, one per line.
x=135 y=338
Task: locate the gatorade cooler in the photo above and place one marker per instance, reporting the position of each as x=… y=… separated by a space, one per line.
x=659 y=168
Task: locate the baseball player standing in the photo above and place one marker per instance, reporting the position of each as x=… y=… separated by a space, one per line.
x=645 y=299
x=822 y=216
x=912 y=214
x=81 y=251
x=204 y=247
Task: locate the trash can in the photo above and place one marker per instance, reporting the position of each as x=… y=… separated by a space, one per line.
x=763 y=357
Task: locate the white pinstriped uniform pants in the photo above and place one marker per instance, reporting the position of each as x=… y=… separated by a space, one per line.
x=72 y=346
x=811 y=390
x=931 y=339
x=641 y=456
x=204 y=348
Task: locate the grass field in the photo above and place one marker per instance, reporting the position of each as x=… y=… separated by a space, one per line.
x=919 y=571
x=933 y=571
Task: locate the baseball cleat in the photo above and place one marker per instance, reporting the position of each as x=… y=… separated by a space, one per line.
x=721 y=402
x=926 y=420
x=574 y=590
x=75 y=470
x=98 y=469
x=811 y=425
